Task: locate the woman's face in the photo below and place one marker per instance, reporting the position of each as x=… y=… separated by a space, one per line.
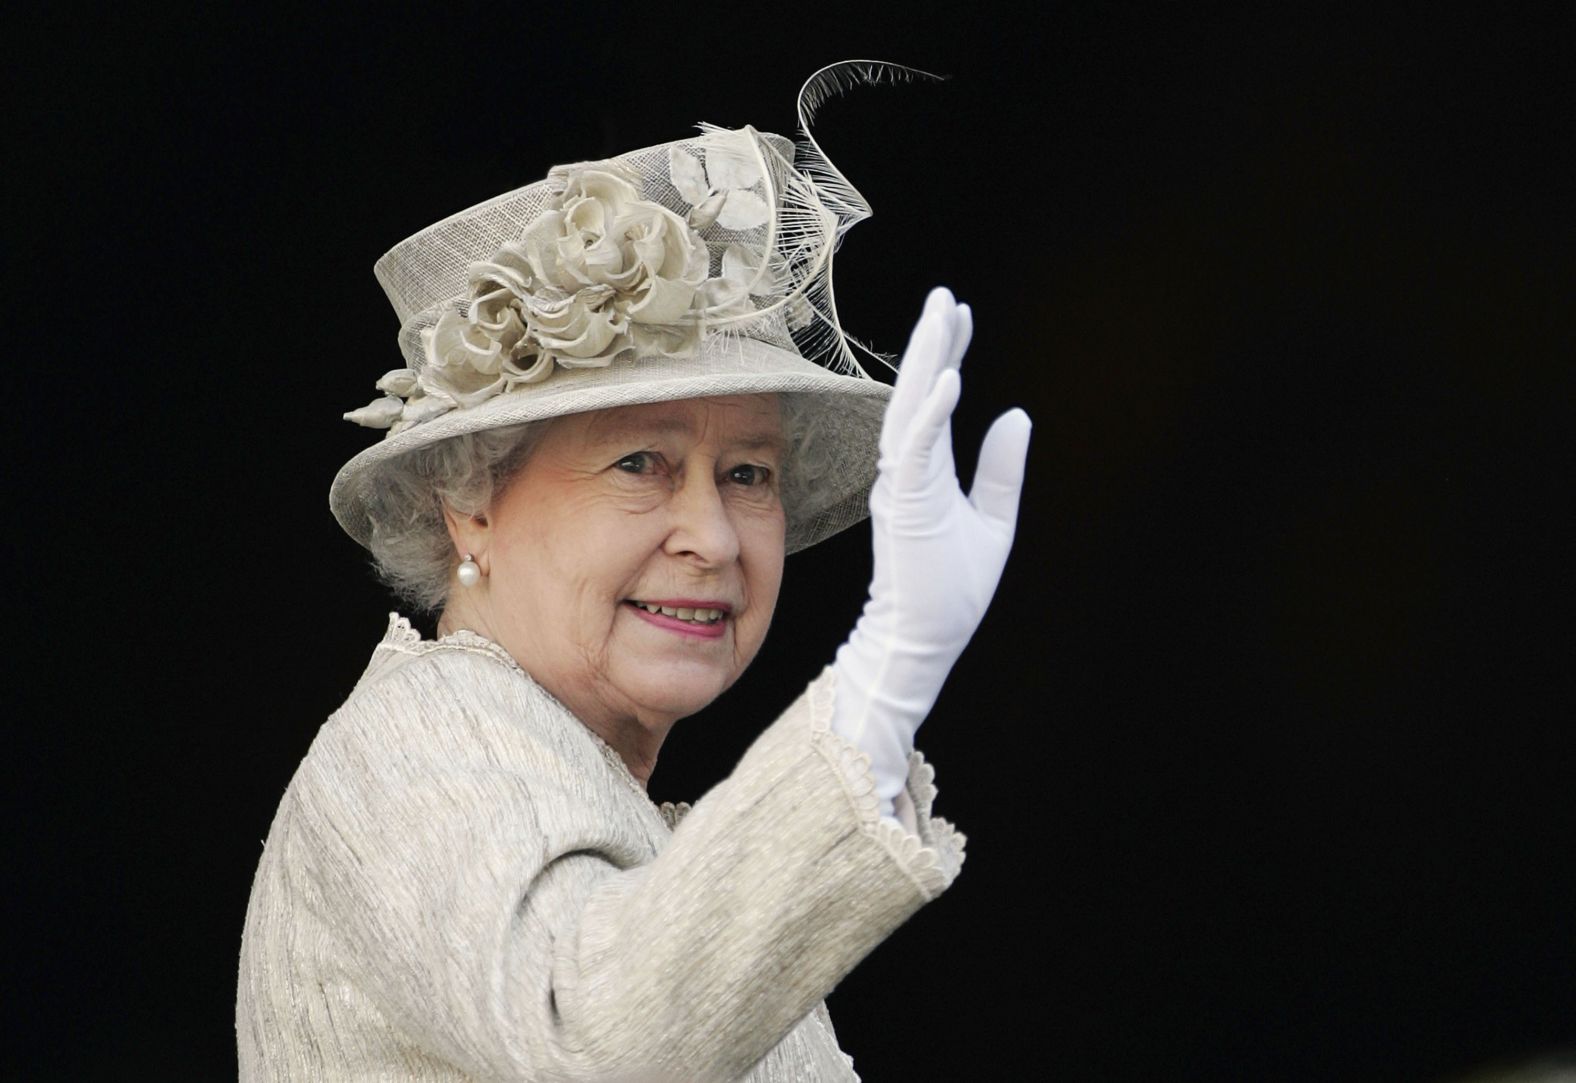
x=669 y=506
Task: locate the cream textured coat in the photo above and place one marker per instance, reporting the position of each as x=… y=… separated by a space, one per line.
x=464 y=883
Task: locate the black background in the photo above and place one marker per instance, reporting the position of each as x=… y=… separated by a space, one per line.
x=1265 y=749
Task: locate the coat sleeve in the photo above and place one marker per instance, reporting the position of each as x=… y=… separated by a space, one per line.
x=485 y=899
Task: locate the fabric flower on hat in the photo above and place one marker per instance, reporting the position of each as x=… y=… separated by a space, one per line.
x=579 y=285
x=599 y=273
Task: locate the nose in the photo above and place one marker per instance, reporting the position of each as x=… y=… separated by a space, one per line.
x=702 y=529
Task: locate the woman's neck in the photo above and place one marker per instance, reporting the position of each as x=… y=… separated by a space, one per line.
x=636 y=739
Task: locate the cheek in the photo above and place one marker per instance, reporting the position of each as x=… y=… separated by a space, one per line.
x=528 y=581
x=595 y=566
x=761 y=550
x=545 y=572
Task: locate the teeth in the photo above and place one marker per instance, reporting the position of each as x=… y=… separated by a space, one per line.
x=697 y=616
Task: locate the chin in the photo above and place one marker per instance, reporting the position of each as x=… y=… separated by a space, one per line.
x=680 y=690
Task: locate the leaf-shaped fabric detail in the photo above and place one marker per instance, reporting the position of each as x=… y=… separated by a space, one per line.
x=731 y=165
x=688 y=175
x=705 y=212
x=743 y=210
x=399 y=382
x=739 y=264
x=721 y=298
x=423 y=407
x=379 y=413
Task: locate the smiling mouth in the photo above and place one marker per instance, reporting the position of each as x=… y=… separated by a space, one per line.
x=700 y=616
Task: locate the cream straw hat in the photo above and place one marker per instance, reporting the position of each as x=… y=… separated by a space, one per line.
x=695 y=268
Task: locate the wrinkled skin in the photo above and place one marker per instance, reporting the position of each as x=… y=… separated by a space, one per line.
x=659 y=502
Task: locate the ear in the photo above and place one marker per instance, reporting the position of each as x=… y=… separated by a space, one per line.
x=470 y=534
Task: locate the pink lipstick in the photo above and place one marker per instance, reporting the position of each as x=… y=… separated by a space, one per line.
x=699 y=617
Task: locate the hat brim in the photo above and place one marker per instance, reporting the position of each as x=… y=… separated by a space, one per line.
x=848 y=412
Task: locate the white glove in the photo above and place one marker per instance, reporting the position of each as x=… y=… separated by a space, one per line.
x=938 y=555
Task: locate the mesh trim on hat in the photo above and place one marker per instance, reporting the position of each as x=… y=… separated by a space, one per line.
x=724 y=288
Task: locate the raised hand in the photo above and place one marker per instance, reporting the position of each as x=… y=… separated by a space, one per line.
x=938 y=553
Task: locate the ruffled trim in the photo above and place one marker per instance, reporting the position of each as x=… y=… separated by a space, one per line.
x=401 y=637
x=673 y=812
x=823 y=1020
x=933 y=857
x=937 y=833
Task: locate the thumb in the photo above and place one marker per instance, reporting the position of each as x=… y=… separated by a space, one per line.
x=998 y=479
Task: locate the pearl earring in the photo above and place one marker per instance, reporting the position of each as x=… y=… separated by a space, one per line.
x=470 y=574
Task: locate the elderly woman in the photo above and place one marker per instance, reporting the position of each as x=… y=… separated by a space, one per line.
x=605 y=442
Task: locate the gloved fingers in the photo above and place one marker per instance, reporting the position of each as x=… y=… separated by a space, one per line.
x=927 y=447
x=927 y=354
x=962 y=333
x=998 y=479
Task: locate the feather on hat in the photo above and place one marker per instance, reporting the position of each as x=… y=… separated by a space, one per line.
x=690 y=269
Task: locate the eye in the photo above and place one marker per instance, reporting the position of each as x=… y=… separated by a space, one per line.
x=749 y=474
x=639 y=462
